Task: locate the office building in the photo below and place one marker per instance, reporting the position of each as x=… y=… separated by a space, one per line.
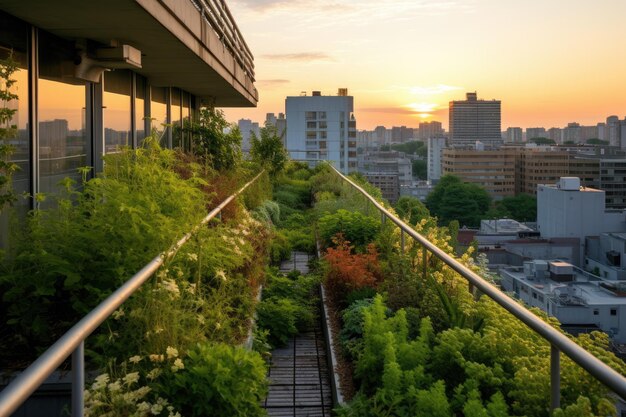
x=322 y=128
x=474 y=120
x=495 y=170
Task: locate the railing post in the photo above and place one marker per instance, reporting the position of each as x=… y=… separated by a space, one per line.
x=78 y=380
x=424 y=260
x=219 y=216
x=555 y=378
x=382 y=218
x=402 y=240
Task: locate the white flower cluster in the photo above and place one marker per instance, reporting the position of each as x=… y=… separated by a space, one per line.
x=120 y=397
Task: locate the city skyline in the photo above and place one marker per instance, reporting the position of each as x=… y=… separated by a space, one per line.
x=550 y=63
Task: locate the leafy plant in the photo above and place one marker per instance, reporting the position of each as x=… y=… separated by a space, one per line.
x=218 y=380
x=354 y=226
x=268 y=150
x=216 y=142
x=8 y=66
x=348 y=271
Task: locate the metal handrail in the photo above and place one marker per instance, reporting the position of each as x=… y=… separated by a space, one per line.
x=218 y=15
x=559 y=342
x=72 y=342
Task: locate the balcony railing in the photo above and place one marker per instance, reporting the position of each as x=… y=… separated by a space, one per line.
x=558 y=341
x=217 y=14
x=73 y=341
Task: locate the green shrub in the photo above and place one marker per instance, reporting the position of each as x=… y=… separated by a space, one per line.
x=356 y=228
x=280 y=248
x=218 y=380
x=279 y=316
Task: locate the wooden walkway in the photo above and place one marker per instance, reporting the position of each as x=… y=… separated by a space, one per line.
x=299 y=379
x=299 y=384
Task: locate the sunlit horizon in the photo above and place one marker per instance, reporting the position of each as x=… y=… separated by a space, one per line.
x=550 y=63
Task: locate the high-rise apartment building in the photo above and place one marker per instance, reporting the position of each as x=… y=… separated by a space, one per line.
x=474 y=120
x=435 y=151
x=514 y=135
x=613 y=130
x=280 y=123
x=322 y=128
x=555 y=134
x=572 y=133
x=535 y=132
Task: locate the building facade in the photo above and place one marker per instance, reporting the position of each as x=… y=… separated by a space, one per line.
x=322 y=128
x=474 y=120
x=83 y=93
x=434 y=156
x=514 y=135
x=495 y=170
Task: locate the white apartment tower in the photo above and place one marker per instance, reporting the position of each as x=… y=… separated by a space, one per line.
x=435 y=152
x=322 y=128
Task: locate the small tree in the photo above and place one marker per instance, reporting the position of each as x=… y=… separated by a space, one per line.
x=268 y=150
x=216 y=141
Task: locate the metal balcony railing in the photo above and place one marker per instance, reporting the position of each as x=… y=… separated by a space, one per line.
x=217 y=14
x=558 y=341
x=73 y=341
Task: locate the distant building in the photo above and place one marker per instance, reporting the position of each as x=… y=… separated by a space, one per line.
x=567 y=210
x=247 y=127
x=401 y=134
x=280 y=123
x=605 y=255
x=474 y=120
x=535 y=132
x=417 y=189
x=495 y=170
x=572 y=133
x=381 y=136
x=387 y=170
x=613 y=130
x=555 y=134
x=435 y=154
x=514 y=134
x=430 y=130
x=580 y=301
x=322 y=128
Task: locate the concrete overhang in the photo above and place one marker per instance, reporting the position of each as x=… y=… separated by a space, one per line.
x=179 y=47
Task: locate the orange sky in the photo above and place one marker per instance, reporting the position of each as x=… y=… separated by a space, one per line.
x=550 y=61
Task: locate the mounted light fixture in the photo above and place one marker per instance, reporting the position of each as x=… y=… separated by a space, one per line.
x=90 y=67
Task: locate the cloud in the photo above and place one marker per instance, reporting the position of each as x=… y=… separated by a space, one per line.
x=272 y=83
x=391 y=110
x=300 y=56
x=368 y=9
x=433 y=89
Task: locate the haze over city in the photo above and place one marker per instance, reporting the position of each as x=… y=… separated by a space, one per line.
x=549 y=62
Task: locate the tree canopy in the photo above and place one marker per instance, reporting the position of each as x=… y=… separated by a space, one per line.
x=215 y=140
x=522 y=207
x=411 y=209
x=543 y=141
x=420 y=169
x=412 y=147
x=452 y=199
x=268 y=149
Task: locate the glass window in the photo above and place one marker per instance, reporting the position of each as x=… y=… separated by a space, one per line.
x=323 y=125
x=186 y=119
x=175 y=112
x=311 y=125
x=311 y=135
x=14 y=131
x=158 y=112
x=321 y=115
x=310 y=115
x=140 y=108
x=116 y=110
x=61 y=110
